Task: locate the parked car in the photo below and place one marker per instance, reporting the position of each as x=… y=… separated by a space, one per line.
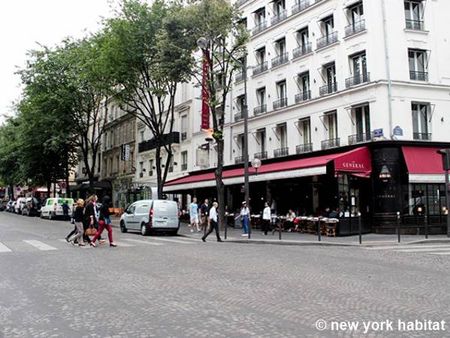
x=32 y=207
x=52 y=207
x=3 y=205
x=18 y=206
x=149 y=216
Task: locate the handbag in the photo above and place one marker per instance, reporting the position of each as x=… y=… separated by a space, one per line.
x=91 y=231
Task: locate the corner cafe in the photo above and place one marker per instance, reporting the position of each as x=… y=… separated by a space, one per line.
x=376 y=180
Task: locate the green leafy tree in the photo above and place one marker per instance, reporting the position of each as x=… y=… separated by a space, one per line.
x=148 y=51
x=9 y=153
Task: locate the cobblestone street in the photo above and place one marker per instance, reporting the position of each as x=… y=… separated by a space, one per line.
x=181 y=287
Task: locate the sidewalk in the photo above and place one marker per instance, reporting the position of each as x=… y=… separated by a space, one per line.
x=294 y=238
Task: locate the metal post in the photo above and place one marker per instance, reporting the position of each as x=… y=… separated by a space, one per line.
x=425 y=218
x=319 y=235
x=246 y=172
x=447 y=202
x=279 y=230
x=360 y=228
x=398 y=225
x=226 y=227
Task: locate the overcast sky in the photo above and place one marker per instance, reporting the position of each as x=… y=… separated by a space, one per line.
x=23 y=23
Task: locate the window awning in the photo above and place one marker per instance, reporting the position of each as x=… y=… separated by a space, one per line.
x=356 y=162
x=424 y=165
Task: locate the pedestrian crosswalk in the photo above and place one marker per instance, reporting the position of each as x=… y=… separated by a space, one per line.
x=27 y=245
x=426 y=249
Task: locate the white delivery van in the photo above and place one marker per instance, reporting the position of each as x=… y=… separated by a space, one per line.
x=148 y=216
x=52 y=208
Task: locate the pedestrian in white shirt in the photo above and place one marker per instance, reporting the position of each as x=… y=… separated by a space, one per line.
x=245 y=217
x=213 y=222
x=267 y=216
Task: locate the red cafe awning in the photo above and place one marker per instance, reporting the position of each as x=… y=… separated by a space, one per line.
x=424 y=164
x=355 y=162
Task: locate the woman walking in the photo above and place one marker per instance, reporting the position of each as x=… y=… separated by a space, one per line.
x=78 y=218
x=104 y=223
x=245 y=217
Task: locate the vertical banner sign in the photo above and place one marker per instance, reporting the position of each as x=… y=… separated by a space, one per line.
x=205 y=91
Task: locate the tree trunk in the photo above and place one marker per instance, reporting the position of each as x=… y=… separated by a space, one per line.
x=219 y=183
x=158 y=172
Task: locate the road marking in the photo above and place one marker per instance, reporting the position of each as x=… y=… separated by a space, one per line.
x=141 y=241
x=4 y=248
x=39 y=245
x=400 y=247
x=440 y=253
x=424 y=250
x=170 y=240
x=124 y=245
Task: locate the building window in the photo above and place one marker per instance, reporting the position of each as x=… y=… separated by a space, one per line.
x=420 y=117
x=330 y=123
x=282 y=95
x=240 y=105
x=361 y=117
x=261 y=138
x=261 y=63
x=260 y=20
x=356 y=19
x=303 y=86
x=184 y=127
x=358 y=69
x=414 y=15
x=329 y=73
x=282 y=56
x=261 y=100
x=141 y=169
x=279 y=11
x=184 y=160
x=329 y=36
x=281 y=134
x=141 y=133
x=418 y=65
x=150 y=167
x=241 y=151
x=304 y=46
x=304 y=129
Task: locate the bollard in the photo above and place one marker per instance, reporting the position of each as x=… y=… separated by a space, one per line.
x=279 y=230
x=398 y=225
x=426 y=226
x=318 y=230
x=226 y=227
x=360 y=228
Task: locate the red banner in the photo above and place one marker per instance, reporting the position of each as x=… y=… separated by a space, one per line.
x=205 y=91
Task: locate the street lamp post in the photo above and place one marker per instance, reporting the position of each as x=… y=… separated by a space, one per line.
x=246 y=171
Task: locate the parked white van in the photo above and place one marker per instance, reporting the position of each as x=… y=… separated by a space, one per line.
x=52 y=208
x=20 y=203
x=151 y=216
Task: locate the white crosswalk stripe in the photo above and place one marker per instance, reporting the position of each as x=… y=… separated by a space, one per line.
x=142 y=241
x=40 y=245
x=429 y=249
x=170 y=240
x=4 y=248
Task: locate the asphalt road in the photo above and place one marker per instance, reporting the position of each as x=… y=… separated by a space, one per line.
x=181 y=287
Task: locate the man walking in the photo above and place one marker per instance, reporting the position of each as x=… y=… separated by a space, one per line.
x=266 y=218
x=204 y=210
x=193 y=215
x=213 y=223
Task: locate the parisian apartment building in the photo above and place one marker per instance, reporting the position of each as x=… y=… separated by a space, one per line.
x=348 y=102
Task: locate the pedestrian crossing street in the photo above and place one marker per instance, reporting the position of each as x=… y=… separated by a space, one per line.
x=33 y=245
x=424 y=249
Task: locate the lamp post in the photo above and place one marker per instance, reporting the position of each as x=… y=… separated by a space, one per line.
x=446 y=166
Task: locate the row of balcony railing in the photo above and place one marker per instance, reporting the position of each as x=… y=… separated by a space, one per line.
x=326 y=144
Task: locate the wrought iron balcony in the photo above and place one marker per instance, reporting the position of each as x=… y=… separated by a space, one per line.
x=327 y=40
x=280 y=103
x=359 y=138
x=302 y=50
x=259 y=27
x=422 y=136
x=260 y=109
x=239 y=116
x=300 y=6
x=183 y=166
x=239 y=159
x=328 y=89
x=416 y=25
x=280 y=60
x=355 y=27
x=262 y=155
x=303 y=148
x=303 y=96
x=418 y=76
x=262 y=67
x=356 y=80
x=278 y=17
x=173 y=137
x=281 y=152
x=331 y=143
x=240 y=76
